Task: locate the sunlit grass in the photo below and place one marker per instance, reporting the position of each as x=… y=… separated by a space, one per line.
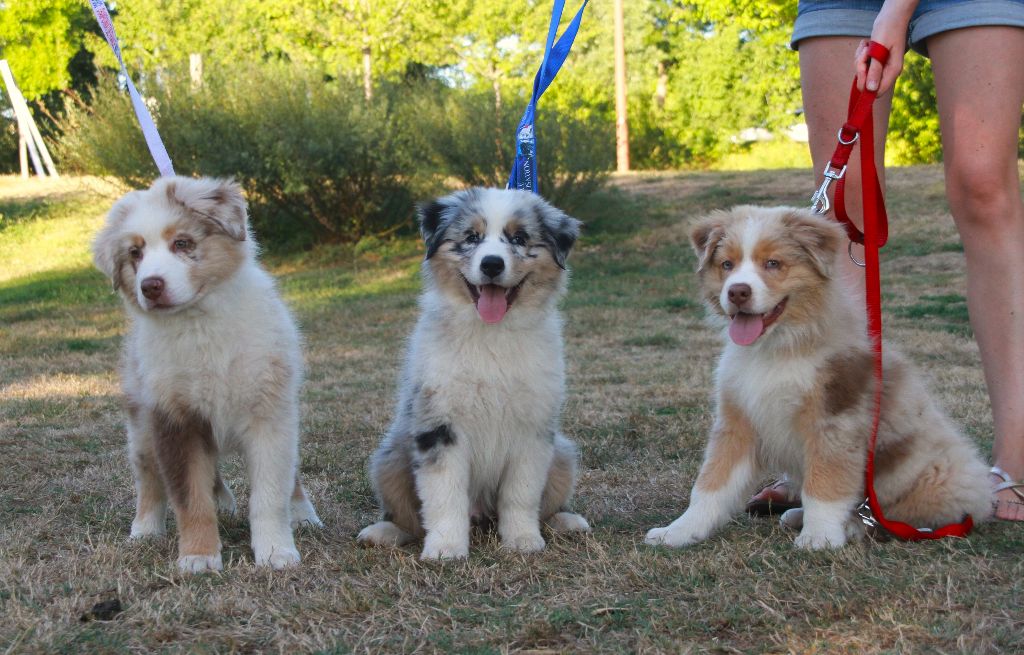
x=640 y=371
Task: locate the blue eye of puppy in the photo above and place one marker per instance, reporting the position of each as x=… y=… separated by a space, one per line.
x=772 y=264
x=472 y=237
x=727 y=265
x=519 y=238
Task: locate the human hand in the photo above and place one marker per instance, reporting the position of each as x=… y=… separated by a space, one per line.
x=889 y=30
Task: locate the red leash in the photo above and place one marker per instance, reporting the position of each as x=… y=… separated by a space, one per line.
x=859 y=127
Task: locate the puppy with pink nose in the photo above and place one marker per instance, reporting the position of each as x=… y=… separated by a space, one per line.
x=212 y=366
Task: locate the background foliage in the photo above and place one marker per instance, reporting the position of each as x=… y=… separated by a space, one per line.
x=358 y=107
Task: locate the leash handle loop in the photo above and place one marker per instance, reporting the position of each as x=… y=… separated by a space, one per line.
x=524 y=168
x=149 y=131
x=858 y=127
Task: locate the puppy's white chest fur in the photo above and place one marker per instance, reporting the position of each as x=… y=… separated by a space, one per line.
x=200 y=358
x=495 y=386
x=770 y=390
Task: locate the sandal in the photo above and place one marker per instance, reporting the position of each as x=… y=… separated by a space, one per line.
x=776 y=498
x=1008 y=483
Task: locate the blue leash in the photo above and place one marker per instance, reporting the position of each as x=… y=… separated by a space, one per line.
x=524 y=168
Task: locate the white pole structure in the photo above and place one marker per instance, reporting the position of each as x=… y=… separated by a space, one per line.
x=195 y=69
x=26 y=126
x=621 y=124
x=23 y=155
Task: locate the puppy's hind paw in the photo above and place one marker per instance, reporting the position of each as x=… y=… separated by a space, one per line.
x=303 y=514
x=225 y=500
x=149 y=527
x=383 y=533
x=792 y=518
x=200 y=563
x=567 y=522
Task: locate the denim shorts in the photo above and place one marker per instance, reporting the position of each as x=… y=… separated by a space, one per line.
x=855 y=18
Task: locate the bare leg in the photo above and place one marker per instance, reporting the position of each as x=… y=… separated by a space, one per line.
x=980 y=89
x=826 y=71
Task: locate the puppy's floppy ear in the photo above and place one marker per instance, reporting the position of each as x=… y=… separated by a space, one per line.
x=705 y=234
x=434 y=217
x=559 y=231
x=106 y=246
x=818 y=237
x=218 y=203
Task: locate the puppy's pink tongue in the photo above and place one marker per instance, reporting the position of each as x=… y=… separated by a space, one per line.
x=746 y=328
x=492 y=303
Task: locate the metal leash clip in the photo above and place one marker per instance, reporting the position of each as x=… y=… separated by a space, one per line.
x=863 y=512
x=819 y=200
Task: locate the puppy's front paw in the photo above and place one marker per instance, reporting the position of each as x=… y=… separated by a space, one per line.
x=200 y=563
x=821 y=539
x=672 y=536
x=442 y=548
x=529 y=542
x=278 y=558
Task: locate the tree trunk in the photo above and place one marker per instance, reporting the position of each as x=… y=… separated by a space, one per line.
x=621 y=124
x=662 y=89
x=367 y=74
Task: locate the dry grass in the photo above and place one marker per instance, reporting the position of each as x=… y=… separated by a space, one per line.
x=640 y=362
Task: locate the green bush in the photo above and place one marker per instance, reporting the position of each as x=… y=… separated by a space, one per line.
x=472 y=141
x=317 y=162
x=914 y=136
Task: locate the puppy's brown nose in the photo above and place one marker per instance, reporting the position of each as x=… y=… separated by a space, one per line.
x=152 y=287
x=739 y=294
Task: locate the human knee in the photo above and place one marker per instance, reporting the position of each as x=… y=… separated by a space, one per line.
x=980 y=191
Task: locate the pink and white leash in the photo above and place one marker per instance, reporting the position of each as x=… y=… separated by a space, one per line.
x=156 y=146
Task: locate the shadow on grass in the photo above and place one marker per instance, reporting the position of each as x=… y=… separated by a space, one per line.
x=22 y=210
x=42 y=295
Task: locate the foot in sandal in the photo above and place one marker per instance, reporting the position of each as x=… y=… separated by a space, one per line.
x=1008 y=496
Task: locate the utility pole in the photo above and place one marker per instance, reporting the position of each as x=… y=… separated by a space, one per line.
x=621 y=124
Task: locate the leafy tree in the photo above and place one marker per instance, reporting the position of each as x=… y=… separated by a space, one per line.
x=40 y=38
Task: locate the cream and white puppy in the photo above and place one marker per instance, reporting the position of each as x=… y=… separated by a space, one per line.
x=476 y=432
x=794 y=391
x=212 y=364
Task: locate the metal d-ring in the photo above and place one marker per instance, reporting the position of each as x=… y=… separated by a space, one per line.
x=839 y=135
x=849 y=250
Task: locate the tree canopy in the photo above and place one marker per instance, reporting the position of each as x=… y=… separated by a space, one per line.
x=699 y=71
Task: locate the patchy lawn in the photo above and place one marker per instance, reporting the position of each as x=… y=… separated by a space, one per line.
x=640 y=366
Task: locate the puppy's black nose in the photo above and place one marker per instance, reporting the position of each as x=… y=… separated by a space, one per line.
x=152 y=287
x=739 y=294
x=492 y=265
